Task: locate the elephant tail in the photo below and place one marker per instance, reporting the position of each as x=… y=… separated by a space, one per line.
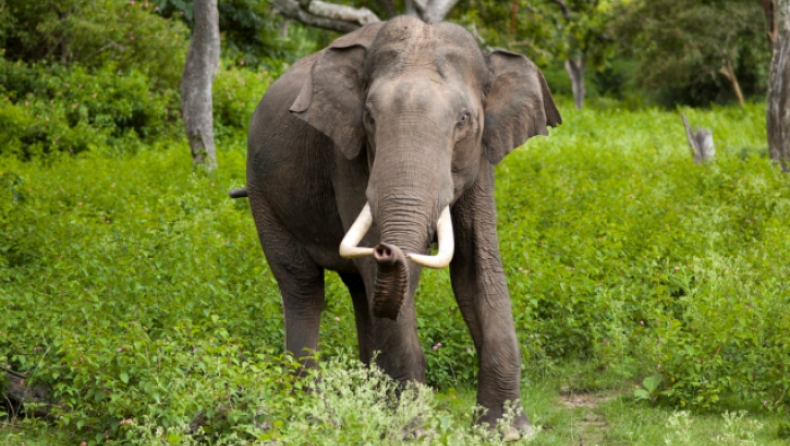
x=238 y=193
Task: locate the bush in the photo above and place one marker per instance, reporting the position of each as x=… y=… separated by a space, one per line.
x=237 y=92
x=125 y=34
x=49 y=109
x=54 y=109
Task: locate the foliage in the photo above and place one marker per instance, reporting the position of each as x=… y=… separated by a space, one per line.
x=53 y=109
x=49 y=109
x=545 y=31
x=119 y=34
x=237 y=92
x=252 y=33
x=633 y=255
x=682 y=45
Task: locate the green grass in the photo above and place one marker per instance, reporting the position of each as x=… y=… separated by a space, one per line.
x=612 y=417
x=138 y=290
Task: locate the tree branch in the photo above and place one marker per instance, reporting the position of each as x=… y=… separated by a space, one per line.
x=325 y=15
x=566 y=12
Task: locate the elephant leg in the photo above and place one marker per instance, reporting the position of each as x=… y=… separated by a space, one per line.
x=359 y=297
x=481 y=291
x=301 y=282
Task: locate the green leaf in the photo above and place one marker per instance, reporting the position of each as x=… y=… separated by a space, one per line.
x=124 y=378
x=641 y=394
x=651 y=383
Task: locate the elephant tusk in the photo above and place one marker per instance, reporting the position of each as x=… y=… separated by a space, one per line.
x=446 y=242
x=349 y=248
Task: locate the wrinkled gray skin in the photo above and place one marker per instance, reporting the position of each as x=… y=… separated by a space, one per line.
x=411 y=118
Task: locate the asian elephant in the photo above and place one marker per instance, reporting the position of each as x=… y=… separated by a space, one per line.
x=363 y=154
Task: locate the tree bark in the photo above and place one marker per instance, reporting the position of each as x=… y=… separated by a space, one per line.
x=410 y=9
x=777 y=13
x=196 y=83
x=513 y=16
x=575 y=69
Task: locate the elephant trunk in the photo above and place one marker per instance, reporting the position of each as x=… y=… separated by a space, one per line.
x=406 y=222
x=392 y=281
x=393 y=273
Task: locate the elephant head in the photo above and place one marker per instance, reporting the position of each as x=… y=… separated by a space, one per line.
x=425 y=107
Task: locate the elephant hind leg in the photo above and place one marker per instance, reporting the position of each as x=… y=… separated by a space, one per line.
x=300 y=279
x=359 y=296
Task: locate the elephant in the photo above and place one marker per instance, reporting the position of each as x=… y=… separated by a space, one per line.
x=362 y=155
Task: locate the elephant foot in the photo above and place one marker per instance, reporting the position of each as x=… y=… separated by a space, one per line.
x=413 y=434
x=517 y=428
x=513 y=433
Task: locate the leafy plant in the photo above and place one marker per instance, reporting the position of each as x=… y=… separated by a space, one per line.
x=650 y=388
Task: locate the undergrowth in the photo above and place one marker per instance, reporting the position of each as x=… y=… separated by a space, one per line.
x=138 y=291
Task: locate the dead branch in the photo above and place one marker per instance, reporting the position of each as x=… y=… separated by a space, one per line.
x=325 y=15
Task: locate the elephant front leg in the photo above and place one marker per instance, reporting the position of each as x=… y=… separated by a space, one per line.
x=481 y=291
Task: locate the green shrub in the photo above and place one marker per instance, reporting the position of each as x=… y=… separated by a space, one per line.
x=236 y=93
x=54 y=109
x=125 y=34
x=48 y=109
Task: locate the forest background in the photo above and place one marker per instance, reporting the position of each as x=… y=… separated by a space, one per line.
x=136 y=292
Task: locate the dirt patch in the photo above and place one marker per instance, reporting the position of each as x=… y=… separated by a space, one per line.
x=573 y=400
x=590 y=429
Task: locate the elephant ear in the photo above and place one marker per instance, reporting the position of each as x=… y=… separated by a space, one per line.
x=332 y=97
x=518 y=105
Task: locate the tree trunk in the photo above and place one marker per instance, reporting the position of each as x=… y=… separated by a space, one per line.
x=196 y=83
x=434 y=11
x=513 y=16
x=777 y=14
x=575 y=69
x=410 y=9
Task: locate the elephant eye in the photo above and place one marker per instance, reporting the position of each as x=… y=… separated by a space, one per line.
x=464 y=119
